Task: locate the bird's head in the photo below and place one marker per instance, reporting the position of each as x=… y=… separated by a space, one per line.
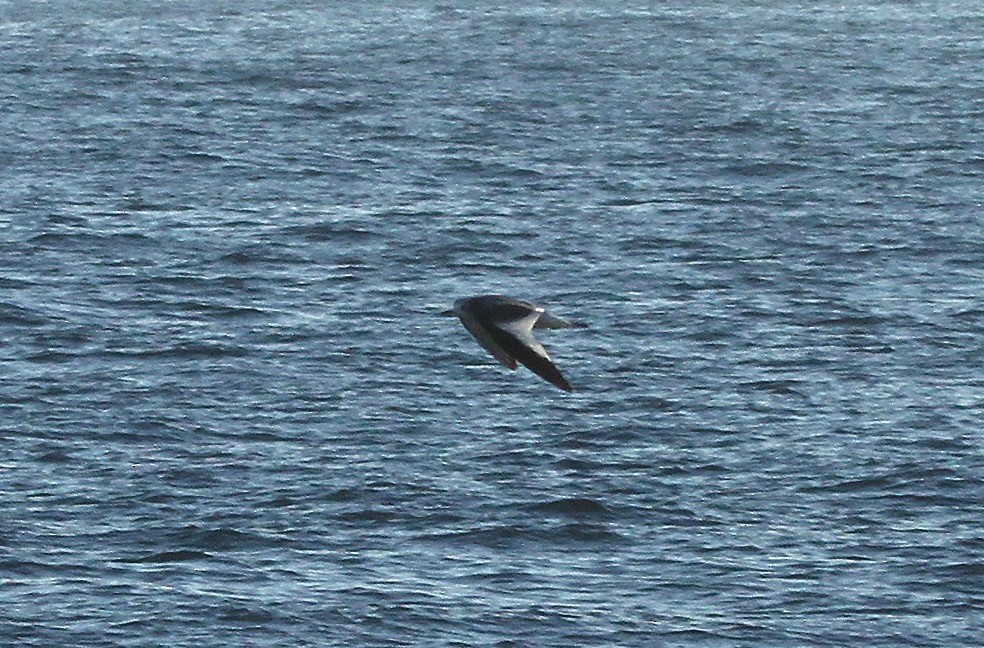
x=459 y=307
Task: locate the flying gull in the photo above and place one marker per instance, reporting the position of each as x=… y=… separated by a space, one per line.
x=504 y=326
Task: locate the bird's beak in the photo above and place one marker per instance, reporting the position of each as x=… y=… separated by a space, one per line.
x=448 y=313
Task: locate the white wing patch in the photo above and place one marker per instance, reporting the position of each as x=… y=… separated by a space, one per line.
x=522 y=330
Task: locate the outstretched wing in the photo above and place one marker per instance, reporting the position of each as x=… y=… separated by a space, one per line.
x=484 y=338
x=516 y=339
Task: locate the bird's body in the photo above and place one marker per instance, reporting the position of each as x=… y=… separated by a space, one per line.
x=504 y=326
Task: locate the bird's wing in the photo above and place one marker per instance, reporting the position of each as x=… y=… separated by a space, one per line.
x=548 y=320
x=515 y=337
x=481 y=334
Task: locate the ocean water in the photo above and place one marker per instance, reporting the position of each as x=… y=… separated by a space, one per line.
x=231 y=414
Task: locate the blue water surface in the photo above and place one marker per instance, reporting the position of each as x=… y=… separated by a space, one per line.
x=231 y=414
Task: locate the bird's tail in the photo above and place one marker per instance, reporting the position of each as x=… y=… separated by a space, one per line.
x=548 y=320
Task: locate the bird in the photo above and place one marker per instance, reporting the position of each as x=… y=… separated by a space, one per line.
x=504 y=326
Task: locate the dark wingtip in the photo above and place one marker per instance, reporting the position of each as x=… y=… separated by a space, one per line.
x=557 y=381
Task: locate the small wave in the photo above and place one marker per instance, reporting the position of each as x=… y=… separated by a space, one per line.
x=368 y=515
x=13 y=568
x=169 y=557
x=8 y=283
x=340 y=106
x=849 y=321
x=496 y=537
x=860 y=485
x=20 y=316
x=89 y=241
x=55 y=457
x=780 y=387
x=590 y=533
x=694 y=635
x=220 y=539
x=157 y=426
x=579 y=465
x=221 y=311
x=330 y=231
x=187 y=351
x=53 y=239
x=741 y=126
x=767 y=169
x=969 y=315
x=202 y=156
x=246 y=616
x=257 y=254
x=53 y=357
x=965 y=569
x=575 y=507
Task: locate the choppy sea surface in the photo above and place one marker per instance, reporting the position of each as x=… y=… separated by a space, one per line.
x=231 y=414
